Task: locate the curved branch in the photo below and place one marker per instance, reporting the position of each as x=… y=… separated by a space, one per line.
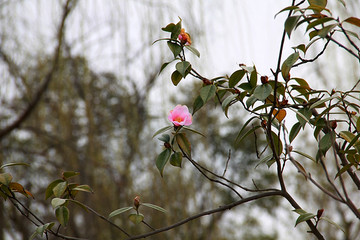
x=40 y=92
x=210 y=212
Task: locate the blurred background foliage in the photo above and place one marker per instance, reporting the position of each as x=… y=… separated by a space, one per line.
x=100 y=111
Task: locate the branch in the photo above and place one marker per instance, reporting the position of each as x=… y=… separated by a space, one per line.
x=40 y=92
x=210 y=212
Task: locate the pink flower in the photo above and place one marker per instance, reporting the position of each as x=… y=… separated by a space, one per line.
x=180 y=116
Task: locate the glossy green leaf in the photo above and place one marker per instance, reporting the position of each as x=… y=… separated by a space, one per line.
x=176 y=77
x=154 y=207
x=246 y=86
x=183 y=143
x=193 y=50
x=169 y=28
x=56 y=202
x=288 y=63
x=176 y=30
x=174 y=48
x=5 y=178
x=278 y=146
x=41 y=229
x=352 y=139
x=320 y=3
x=70 y=174
x=119 y=211
x=236 y=77
x=165 y=138
x=207 y=92
x=326 y=142
x=198 y=103
x=343 y=169
x=304 y=217
x=333 y=223
x=13 y=164
x=62 y=215
x=163 y=66
x=251 y=100
x=261 y=92
x=290 y=8
x=227 y=103
x=290 y=24
x=60 y=188
x=193 y=131
x=303 y=116
x=301 y=47
x=253 y=78
x=304 y=155
x=183 y=68
x=294 y=131
x=136 y=218
x=326 y=30
x=320 y=102
x=318 y=22
x=241 y=133
x=262 y=107
x=83 y=188
x=49 y=190
x=164 y=129
x=265 y=159
x=176 y=159
x=162 y=159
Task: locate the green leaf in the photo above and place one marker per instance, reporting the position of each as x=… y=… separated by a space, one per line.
x=70 y=174
x=49 y=190
x=163 y=66
x=13 y=164
x=288 y=63
x=56 y=202
x=60 y=188
x=62 y=214
x=240 y=138
x=176 y=30
x=253 y=78
x=303 y=116
x=207 y=92
x=278 y=146
x=154 y=207
x=251 y=100
x=226 y=103
x=290 y=24
x=353 y=20
x=304 y=217
x=304 y=155
x=162 y=159
x=333 y=223
x=290 y=8
x=265 y=159
x=320 y=102
x=136 y=218
x=318 y=3
x=183 y=68
x=326 y=142
x=325 y=30
x=198 y=103
x=174 y=48
x=301 y=47
x=119 y=211
x=169 y=28
x=176 y=159
x=318 y=22
x=165 y=138
x=5 y=178
x=193 y=130
x=183 y=143
x=193 y=50
x=242 y=130
x=176 y=77
x=83 y=188
x=294 y=131
x=344 y=169
x=236 y=77
x=41 y=229
x=164 y=129
x=261 y=92
x=354 y=140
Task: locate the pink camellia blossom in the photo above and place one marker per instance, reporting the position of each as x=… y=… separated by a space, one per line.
x=180 y=116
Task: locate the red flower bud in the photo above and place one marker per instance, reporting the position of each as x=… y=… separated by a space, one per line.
x=264 y=79
x=319 y=213
x=333 y=124
x=137 y=202
x=184 y=37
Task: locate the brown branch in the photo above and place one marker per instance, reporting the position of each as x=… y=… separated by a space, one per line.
x=40 y=92
x=213 y=211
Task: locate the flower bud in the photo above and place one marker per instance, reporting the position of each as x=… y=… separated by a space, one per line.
x=319 y=213
x=137 y=202
x=333 y=124
x=184 y=37
x=264 y=79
